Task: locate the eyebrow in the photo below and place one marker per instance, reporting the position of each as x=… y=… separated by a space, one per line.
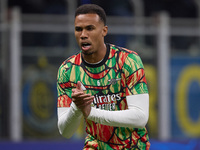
x=88 y=26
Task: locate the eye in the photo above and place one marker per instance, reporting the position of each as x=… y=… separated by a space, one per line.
x=78 y=29
x=90 y=28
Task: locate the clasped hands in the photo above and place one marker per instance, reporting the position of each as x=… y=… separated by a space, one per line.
x=83 y=101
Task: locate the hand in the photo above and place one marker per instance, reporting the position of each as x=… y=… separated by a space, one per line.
x=83 y=101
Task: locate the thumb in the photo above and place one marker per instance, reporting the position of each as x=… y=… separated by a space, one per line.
x=79 y=85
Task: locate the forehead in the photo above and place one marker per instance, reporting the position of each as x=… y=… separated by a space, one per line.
x=87 y=19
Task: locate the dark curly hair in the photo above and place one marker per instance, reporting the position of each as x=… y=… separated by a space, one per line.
x=91 y=9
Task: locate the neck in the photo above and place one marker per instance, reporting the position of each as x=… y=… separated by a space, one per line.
x=94 y=63
x=96 y=56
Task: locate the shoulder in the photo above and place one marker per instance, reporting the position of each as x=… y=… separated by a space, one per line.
x=122 y=49
x=70 y=61
x=74 y=59
x=125 y=54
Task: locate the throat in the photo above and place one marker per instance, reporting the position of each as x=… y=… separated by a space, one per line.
x=93 y=59
x=94 y=63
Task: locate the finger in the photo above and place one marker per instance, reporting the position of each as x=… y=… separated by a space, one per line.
x=79 y=85
x=77 y=94
x=88 y=98
x=85 y=96
x=85 y=104
x=79 y=102
x=76 y=90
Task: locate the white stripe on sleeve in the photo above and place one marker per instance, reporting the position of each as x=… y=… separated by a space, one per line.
x=136 y=116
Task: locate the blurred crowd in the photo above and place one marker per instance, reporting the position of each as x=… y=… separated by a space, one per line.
x=40 y=6
x=175 y=8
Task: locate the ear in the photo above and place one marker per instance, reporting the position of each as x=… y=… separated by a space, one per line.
x=105 y=30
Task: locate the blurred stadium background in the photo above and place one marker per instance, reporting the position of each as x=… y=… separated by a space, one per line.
x=36 y=36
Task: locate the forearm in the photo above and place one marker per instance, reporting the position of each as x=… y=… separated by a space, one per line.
x=68 y=120
x=136 y=116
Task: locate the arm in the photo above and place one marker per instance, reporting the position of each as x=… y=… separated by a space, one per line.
x=69 y=117
x=68 y=120
x=136 y=116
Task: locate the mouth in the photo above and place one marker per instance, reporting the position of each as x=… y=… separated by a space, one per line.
x=85 y=46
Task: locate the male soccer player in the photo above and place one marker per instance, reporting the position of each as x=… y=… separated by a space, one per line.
x=106 y=85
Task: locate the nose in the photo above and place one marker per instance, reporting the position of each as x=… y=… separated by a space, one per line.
x=84 y=34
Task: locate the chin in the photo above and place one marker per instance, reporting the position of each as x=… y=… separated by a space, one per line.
x=87 y=52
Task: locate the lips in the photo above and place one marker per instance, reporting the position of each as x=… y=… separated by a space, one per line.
x=85 y=46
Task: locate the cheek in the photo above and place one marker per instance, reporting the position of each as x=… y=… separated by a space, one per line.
x=97 y=38
x=77 y=37
x=100 y=35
